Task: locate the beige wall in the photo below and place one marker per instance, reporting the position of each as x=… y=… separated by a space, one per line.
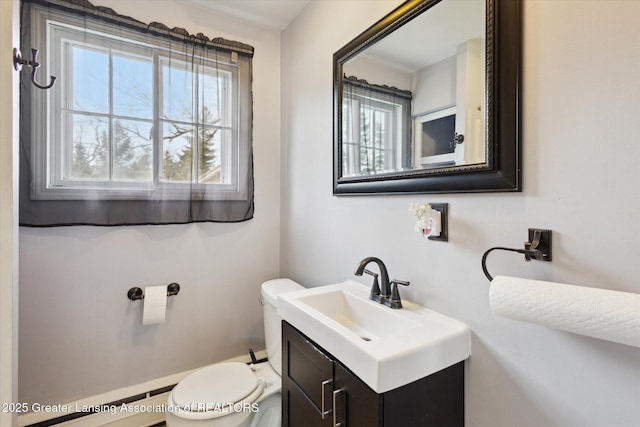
x=80 y=335
x=9 y=33
x=581 y=103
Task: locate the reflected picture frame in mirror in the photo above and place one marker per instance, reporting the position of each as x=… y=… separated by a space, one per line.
x=501 y=168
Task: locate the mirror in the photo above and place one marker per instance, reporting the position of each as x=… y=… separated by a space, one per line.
x=427 y=101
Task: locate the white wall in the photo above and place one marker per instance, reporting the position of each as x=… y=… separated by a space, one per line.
x=80 y=335
x=581 y=103
x=434 y=87
x=377 y=73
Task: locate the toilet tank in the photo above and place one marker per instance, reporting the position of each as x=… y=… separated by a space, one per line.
x=272 y=322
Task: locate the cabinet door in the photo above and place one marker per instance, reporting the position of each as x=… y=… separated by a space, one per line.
x=433 y=401
x=307 y=381
x=356 y=404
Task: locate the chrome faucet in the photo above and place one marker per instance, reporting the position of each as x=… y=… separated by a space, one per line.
x=387 y=292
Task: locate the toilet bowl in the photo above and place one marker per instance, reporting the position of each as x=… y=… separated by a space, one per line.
x=234 y=394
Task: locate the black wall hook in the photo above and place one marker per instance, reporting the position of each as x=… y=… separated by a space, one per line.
x=18 y=62
x=137 y=293
x=537 y=248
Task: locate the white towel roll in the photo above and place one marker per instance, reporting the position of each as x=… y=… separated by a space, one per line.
x=599 y=313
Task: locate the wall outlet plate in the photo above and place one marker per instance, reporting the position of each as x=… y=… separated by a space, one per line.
x=443 y=208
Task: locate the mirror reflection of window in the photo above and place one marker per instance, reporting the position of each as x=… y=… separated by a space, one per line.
x=375 y=121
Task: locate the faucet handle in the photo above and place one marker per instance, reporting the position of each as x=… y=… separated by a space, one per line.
x=370 y=273
x=375 y=288
x=395 y=295
x=399 y=282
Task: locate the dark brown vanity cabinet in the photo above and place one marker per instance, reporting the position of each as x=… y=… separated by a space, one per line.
x=317 y=390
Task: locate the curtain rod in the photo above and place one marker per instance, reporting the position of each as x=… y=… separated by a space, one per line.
x=86 y=8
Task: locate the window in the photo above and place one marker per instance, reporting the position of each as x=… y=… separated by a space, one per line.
x=135 y=116
x=375 y=124
x=369 y=136
x=129 y=120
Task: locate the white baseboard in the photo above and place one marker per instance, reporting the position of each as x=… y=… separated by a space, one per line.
x=147 y=411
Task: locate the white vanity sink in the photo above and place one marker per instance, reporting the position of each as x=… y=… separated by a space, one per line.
x=369 y=321
x=386 y=348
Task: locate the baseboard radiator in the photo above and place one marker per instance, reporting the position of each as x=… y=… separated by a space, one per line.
x=140 y=405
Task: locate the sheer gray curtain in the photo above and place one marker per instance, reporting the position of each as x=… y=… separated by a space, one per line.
x=145 y=124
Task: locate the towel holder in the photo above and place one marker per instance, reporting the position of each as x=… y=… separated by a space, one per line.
x=137 y=293
x=537 y=248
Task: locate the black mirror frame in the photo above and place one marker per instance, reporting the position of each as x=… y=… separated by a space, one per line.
x=503 y=170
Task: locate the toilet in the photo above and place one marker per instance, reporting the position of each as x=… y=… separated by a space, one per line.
x=234 y=394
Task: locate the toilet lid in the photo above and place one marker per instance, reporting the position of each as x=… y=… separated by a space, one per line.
x=219 y=384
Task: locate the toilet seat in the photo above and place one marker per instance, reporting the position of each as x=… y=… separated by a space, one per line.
x=216 y=391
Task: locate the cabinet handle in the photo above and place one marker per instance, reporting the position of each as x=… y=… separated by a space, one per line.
x=339 y=402
x=324 y=412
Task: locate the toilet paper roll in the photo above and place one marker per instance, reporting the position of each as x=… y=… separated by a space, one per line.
x=599 y=313
x=155 y=305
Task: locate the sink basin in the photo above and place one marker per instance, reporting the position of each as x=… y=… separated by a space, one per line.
x=386 y=348
x=369 y=321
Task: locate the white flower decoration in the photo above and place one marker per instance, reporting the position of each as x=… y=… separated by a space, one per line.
x=422 y=211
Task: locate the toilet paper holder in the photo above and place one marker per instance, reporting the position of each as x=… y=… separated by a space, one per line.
x=137 y=293
x=537 y=248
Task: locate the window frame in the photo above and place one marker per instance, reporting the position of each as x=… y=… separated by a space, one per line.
x=48 y=182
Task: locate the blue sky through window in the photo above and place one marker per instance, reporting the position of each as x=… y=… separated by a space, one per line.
x=112 y=112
